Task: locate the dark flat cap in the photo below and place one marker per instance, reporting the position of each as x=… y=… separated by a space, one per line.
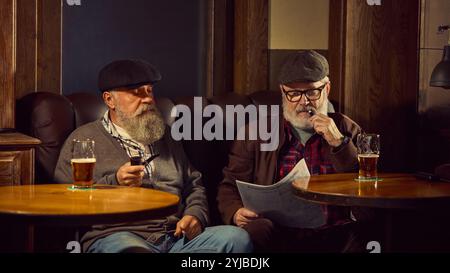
x=304 y=66
x=127 y=74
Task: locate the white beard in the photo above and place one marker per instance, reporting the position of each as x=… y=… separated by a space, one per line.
x=303 y=123
x=144 y=126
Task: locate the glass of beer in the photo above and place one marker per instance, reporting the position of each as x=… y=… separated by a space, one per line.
x=368 y=153
x=83 y=163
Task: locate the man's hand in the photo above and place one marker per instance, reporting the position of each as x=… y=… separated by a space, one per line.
x=326 y=127
x=190 y=226
x=128 y=175
x=244 y=216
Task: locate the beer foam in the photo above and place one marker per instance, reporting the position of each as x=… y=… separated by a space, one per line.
x=83 y=160
x=369 y=155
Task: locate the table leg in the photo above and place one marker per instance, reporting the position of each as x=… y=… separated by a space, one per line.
x=30 y=239
x=77 y=235
x=388 y=232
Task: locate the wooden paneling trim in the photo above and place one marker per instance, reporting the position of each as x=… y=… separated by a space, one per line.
x=17 y=139
x=30 y=50
x=49 y=30
x=17 y=153
x=39 y=45
x=26 y=55
x=17 y=166
x=10 y=168
x=336 y=52
x=28 y=172
x=7 y=62
x=209 y=87
x=220 y=47
x=251 y=44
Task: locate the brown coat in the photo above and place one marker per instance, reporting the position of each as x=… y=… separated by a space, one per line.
x=248 y=163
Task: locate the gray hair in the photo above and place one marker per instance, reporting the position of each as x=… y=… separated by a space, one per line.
x=325 y=80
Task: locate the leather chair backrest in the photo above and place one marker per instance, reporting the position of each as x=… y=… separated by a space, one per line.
x=50 y=118
x=87 y=107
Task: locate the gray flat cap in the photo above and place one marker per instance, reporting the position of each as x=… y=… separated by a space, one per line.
x=304 y=66
x=127 y=74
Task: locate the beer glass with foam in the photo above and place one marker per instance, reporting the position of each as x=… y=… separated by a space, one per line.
x=83 y=163
x=368 y=153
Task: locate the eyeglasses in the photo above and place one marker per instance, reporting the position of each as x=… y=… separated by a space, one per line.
x=311 y=94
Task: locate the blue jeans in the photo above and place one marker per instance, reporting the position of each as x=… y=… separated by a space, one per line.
x=218 y=239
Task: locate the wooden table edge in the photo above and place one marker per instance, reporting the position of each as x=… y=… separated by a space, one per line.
x=90 y=219
x=374 y=202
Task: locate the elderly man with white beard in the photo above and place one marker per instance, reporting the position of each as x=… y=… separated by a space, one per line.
x=134 y=126
x=327 y=142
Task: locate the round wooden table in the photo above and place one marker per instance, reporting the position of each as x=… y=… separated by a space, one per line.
x=397 y=190
x=58 y=204
x=395 y=193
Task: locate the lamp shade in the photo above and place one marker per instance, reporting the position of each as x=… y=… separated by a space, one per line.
x=441 y=73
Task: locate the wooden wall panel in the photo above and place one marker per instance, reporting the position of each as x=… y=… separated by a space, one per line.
x=251 y=42
x=336 y=53
x=30 y=51
x=7 y=62
x=49 y=45
x=26 y=47
x=38 y=54
x=381 y=75
x=220 y=47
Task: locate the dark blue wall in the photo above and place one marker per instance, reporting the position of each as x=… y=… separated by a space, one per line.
x=168 y=33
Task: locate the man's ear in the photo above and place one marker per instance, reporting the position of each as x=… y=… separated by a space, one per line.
x=108 y=98
x=328 y=88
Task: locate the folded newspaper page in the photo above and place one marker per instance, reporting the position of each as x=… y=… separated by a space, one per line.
x=279 y=203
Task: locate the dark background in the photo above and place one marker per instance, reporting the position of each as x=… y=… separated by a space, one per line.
x=170 y=34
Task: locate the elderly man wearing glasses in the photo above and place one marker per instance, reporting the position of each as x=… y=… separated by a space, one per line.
x=307 y=131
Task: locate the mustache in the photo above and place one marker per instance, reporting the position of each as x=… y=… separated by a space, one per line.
x=308 y=109
x=145 y=109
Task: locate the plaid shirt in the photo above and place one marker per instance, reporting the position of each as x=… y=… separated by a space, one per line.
x=313 y=152
x=132 y=147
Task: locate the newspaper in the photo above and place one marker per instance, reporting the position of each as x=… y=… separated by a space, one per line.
x=279 y=203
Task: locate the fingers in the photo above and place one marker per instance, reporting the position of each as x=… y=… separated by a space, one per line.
x=320 y=129
x=242 y=221
x=181 y=228
x=133 y=176
x=321 y=123
x=326 y=127
x=189 y=226
x=320 y=118
x=193 y=230
x=130 y=175
x=133 y=169
x=178 y=230
x=248 y=213
x=244 y=216
x=132 y=183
